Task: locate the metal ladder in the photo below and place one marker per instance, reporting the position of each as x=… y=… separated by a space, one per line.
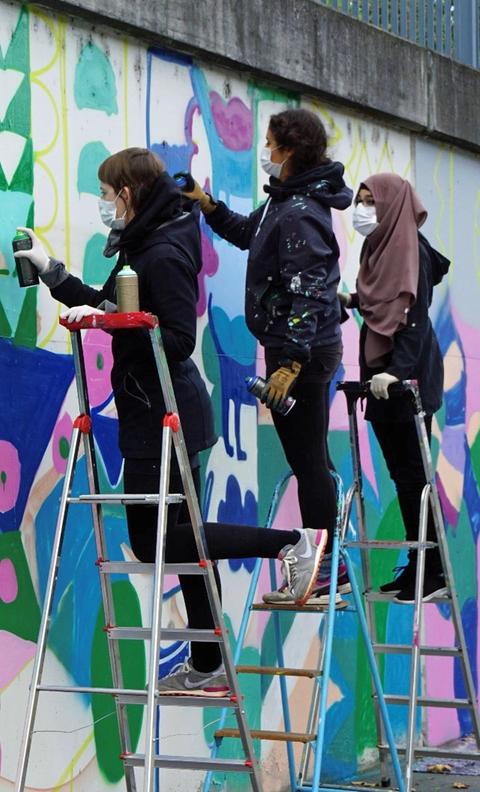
x=313 y=738
x=172 y=434
x=353 y=392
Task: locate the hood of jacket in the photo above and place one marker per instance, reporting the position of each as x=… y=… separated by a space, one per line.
x=164 y=204
x=325 y=184
x=440 y=263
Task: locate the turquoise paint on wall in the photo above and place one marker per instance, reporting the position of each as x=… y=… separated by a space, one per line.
x=95 y=86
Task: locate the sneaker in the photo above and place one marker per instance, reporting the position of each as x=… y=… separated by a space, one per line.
x=320 y=592
x=433 y=586
x=404 y=577
x=301 y=562
x=185 y=681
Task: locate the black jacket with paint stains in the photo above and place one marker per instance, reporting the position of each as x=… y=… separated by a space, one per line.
x=162 y=245
x=292 y=273
x=416 y=353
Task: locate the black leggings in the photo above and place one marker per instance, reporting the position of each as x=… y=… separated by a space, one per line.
x=223 y=541
x=401 y=450
x=303 y=435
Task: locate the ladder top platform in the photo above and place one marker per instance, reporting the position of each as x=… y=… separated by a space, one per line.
x=113 y=321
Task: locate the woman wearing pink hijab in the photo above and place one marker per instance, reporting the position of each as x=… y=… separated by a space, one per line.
x=398 y=270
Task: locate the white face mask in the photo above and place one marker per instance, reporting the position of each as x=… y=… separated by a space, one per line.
x=364 y=219
x=272 y=168
x=108 y=212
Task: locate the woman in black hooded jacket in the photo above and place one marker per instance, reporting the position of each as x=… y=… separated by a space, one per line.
x=142 y=205
x=291 y=304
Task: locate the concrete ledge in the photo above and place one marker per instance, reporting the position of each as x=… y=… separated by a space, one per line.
x=302 y=45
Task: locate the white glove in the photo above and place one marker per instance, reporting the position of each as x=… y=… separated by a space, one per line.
x=345 y=298
x=379 y=384
x=79 y=312
x=36 y=254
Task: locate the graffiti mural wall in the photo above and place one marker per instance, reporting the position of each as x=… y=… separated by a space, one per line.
x=69 y=96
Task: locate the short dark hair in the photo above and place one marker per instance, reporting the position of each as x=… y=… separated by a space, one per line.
x=302 y=131
x=136 y=168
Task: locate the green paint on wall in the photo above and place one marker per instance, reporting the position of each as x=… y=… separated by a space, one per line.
x=5 y=329
x=91 y=157
x=26 y=332
x=22 y=616
x=17 y=118
x=96 y=268
x=463 y=556
x=17 y=54
x=95 y=86
x=23 y=177
x=271 y=464
x=132 y=655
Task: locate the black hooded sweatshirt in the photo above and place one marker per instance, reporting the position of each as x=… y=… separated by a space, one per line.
x=291 y=301
x=162 y=244
x=415 y=354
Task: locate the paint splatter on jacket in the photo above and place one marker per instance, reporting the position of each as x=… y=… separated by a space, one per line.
x=292 y=273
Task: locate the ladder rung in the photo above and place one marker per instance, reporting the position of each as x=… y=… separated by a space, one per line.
x=430 y=702
x=379 y=596
x=191 y=763
x=138 y=568
x=127 y=696
x=311 y=673
x=321 y=607
x=103 y=497
x=446 y=651
x=439 y=753
x=275 y=736
x=375 y=544
x=170 y=634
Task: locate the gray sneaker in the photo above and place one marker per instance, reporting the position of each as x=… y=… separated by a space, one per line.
x=185 y=681
x=301 y=562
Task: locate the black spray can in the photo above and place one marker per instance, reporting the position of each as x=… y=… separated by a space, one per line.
x=185 y=181
x=26 y=271
x=256 y=385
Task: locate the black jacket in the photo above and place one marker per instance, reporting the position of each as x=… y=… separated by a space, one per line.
x=415 y=353
x=162 y=245
x=292 y=273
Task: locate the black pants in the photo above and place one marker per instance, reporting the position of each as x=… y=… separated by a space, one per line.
x=223 y=541
x=401 y=450
x=303 y=435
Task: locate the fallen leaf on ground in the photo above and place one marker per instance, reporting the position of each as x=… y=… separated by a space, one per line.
x=459 y=785
x=439 y=768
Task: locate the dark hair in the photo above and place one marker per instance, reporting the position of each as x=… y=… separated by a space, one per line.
x=302 y=131
x=136 y=168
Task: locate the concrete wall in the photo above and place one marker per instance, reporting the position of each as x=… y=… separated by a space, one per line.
x=71 y=94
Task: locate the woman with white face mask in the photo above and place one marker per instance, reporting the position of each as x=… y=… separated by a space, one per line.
x=142 y=205
x=290 y=302
x=398 y=270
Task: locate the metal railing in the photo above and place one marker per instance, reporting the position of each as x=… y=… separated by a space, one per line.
x=450 y=27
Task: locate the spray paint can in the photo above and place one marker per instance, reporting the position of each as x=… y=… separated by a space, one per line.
x=127 y=290
x=256 y=385
x=26 y=271
x=185 y=181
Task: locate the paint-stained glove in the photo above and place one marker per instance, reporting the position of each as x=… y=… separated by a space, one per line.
x=37 y=254
x=79 y=312
x=379 y=384
x=207 y=204
x=280 y=383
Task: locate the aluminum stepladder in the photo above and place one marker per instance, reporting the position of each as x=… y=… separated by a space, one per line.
x=355 y=391
x=171 y=435
x=313 y=738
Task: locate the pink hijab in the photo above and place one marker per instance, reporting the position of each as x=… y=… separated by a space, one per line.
x=389 y=263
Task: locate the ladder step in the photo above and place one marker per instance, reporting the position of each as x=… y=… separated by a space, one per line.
x=127 y=696
x=170 y=634
x=311 y=673
x=439 y=753
x=446 y=651
x=379 y=596
x=321 y=607
x=430 y=702
x=139 y=568
x=275 y=736
x=375 y=544
x=107 y=497
x=191 y=763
